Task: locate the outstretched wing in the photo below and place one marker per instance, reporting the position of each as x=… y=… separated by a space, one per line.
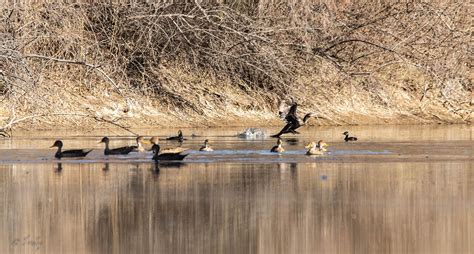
x=307 y=116
x=291 y=117
x=283 y=109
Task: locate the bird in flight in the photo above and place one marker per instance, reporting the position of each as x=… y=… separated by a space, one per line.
x=293 y=122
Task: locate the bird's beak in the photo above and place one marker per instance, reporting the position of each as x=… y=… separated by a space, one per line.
x=100 y=142
x=52 y=146
x=308 y=145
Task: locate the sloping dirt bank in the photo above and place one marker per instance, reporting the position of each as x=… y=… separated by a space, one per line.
x=218 y=64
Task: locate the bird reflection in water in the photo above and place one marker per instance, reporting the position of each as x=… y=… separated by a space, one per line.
x=106 y=167
x=135 y=168
x=157 y=166
x=288 y=167
x=155 y=170
x=59 y=168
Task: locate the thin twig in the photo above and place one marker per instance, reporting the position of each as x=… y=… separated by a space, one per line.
x=15 y=121
x=66 y=61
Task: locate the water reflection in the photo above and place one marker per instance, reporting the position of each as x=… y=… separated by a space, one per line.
x=156 y=168
x=58 y=168
x=418 y=197
x=237 y=208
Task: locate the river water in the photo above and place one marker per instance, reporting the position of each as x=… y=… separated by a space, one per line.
x=399 y=189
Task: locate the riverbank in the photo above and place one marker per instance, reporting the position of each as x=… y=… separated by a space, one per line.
x=202 y=64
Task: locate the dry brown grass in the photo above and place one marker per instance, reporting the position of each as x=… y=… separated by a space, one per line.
x=205 y=63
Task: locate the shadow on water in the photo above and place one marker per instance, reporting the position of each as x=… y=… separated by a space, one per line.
x=292 y=141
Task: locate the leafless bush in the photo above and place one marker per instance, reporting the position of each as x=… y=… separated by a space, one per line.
x=258 y=45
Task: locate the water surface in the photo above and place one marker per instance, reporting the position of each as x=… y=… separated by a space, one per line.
x=400 y=189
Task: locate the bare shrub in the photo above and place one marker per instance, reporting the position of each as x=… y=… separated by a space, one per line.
x=266 y=49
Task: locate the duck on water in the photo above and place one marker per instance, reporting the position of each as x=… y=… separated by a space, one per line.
x=180 y=138
x=68 y=153
x=206 y=147
x=278 y=148
x=116 y=151
x=316 y=148
x=347 y=138
x=143 y=144
x=167 y=154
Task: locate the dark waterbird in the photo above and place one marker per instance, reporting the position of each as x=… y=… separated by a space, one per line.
x=293 y=122
x=347 y=138
x=179 y=138
x=167 y=154
x=68 y=153
x=116 y=151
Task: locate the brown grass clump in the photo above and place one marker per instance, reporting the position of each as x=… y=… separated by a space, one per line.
x=198 y=62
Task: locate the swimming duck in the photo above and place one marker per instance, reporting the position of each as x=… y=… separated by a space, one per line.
x=143 y=144
x=347 y=138
x=206 y=147
x=68 y=153
x=321 y=145
x=316 y=148
x=167 y=154
x=179 y=138
x=116 y=151
x=293 y=122
x=278 y=148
